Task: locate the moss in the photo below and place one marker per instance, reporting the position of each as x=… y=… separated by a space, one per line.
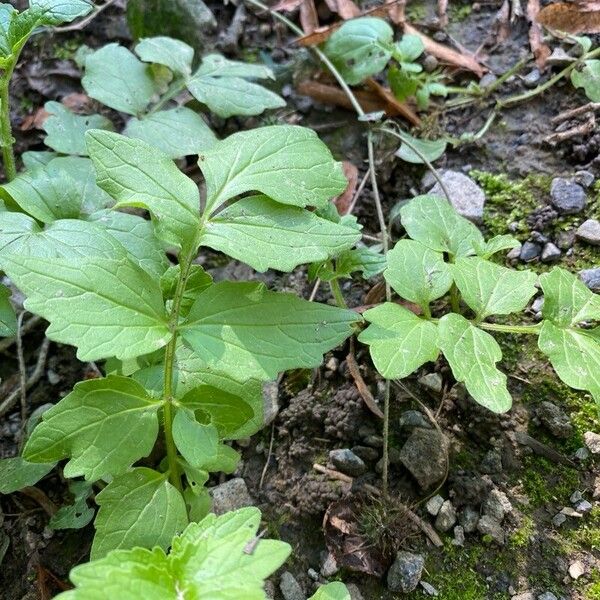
x=593 y=591
x=66 y=49
x=459 y=12
x=587 y=535
x=520 y=538
x=544 y=481
x=416 y=11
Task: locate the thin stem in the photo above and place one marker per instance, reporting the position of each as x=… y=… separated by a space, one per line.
x=386 y=435
x=8 y=155
x=454 y=299
x=526 y=329
x=169 y=95
x=336 y=290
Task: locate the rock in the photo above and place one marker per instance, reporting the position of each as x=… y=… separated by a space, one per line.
x=558 y=519
x=514 y=253
x=446 y=517
x=313 y=574
x=487 y=80
x=582 y=454
x=489 y=526
x=432 y=382
x=559 y=57
x=567 y=196
x=329 y=566
x=592 y=441
x=571 y=512
x=584 y=178
x=565 y=239
x=584 y=506
x=429 y=589
x=532 y=78
x=366 y=453
x=497 y=505
x=405 y=573
x=591 y=278
x=410 y=419
x=589 y=231
x=550 y=252
x=469 y=518
x=290 y=588
x=465 y=195
x=375 y=441
x=547 y=596
x=434 y=504
x=524 y=596
x=425 y=455
x=346 y=461
x=231 y=495
x=355 y=593
x=492 y=462
x=459 y=536
x=576 y=569
x=430 y=63
x=270 y=402
x=530 y=251
x=576 y=497
x=555 y=420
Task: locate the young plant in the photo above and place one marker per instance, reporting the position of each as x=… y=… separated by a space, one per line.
x=447 y=256
x=185 y=355
x=219 y=558
x=15 y=29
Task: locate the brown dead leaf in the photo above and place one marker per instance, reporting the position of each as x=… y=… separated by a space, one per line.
x=345 y=8
x=344 y=200
x=35 y=121
x=540 y=50
x=308 y=16
x=287 y=5
x=391 y=101
x=79 y=103
x=573 y=17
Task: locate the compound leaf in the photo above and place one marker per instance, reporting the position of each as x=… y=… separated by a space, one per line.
x=103 y=426
x=167 y=51
x=16 y=473
x=8 y=319
x=472 y=355
x=400 y=342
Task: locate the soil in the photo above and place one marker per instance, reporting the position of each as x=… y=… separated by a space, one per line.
x=321 y=410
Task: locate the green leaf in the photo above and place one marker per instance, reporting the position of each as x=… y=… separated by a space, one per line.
x=400 y=342
x=61 y=11
x=196 y=442
x=289 y=164
x=138 y=508
x=115 y=77
x=172 y=53
x=403 y=84
x=8 y=319
x=490 y=289
x=267 y=235
x=332 y=591
x=472 y=355
x=103 y=426
x=36 y=158
x=430 y=149
x=417 y=273
x=588 y=78
x=136 y=174
x=360 y=48
x=16 y=473
x=246 y=331
x=221 y=84
x=366 y=260
x=409 y=48
x=497 y=244
x=78 y=514
x=198 y=280
x=177 y=132
x=105 y=307
x=66 y=130
x=433 y=222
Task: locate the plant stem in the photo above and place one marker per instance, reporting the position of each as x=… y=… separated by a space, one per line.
x=8 y=155
x=169 y=95
x=526 y=329
x=336 y=290
x=454 y=299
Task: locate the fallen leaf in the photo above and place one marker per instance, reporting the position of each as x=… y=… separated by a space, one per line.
x=34 y=121
x=400 y=107
x=308 y=16
x=287 y=5
x=572 y=17
x=344 y=200
x=345 y=8
x=77 y=102
x=540 y=50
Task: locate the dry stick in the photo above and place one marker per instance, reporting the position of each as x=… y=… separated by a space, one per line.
x=363 y=390
x=84 y=22
x=575 y=112
x=22 y=370
x=265 y=468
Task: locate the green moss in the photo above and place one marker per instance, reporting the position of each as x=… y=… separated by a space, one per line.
x=587 y=535
x=520 y=538
x=593 y=591
x=65 y=50
x=544 y=481
x=459 y=12
x=416 y=11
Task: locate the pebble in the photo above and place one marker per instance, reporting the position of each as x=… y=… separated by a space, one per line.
x=329 y=566
x=313 y=574
x=489 y=526
x=231 y=495
x=487 y=80
x=290 y=588
x=584 y=506
x=347 y=462
x=514 y=253
x=550 y=252
x=592 y=441
x=469 y=518
x=410 y=419
x=270 y=402
x=571 y=512
x=532 y=78
x=584 y=178
x=432 y=382
x=558 y=519
x=465 y=195
x=430 y=63
x=565 y=239
x=576 y=569
x=530 y=251
x=555 y=420
x=404 y=575
x=596 y=490
x=446 y=517
x=425 y=455
x=582 y=454
x=459 y=536
x=524 y=596
x=547 y=596
x=589 y=231
x=576 y=497
x=591 y=278
x=434 y=504
x=497 y=505
x=567 y=196
x=429 y=589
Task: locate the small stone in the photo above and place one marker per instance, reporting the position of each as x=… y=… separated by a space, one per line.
x=270 y=402
x=596 y=490
x=430 y=63
x=584 y=178
x=565 y=239
x=530 y=251
x=584 y=506
x=497 y=505
x=332 y=364
x=465 y=195
x=514 y=253
x=375 y=441
x=366 y=453
x=555 y=420
x=459 y=536
x=576 y=497
x=53 y=377
x=429 y=589
x=410 y=419
x=290 y=588
x=313 y=574
x=231 y=495
x=582 y=454
x=567 y=196
x=446 y=517
x=432 y=382
x=589 y=231
x=270 y=590
x=592 y=441
x=550 y=252
x=571 y=512
x=489 y=526
x=576 y=569
x=469 y=518
x=532 y=78
x=347 y=462
x=547 y=596
x=492 y=462
x=559 y=57
x=537 y=304
x=591 y=278
x=405 y=573
x=487 y=80
x=434 y=504
x=524 y=596
x=425 y=455
x=539 y=238
x=355 y=593
x=558 y=519
x=329 y=566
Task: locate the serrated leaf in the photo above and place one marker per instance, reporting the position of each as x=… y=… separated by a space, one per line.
x=136 y=174
x=16 y=473
x=417 y=273
x=332 y=591
x=490 y=289
x=267 y=235
x=472 y=355
x=66 y=130
x=288 y=163
x=117 y=78
x=61 y=11
x=245 y=330
x=138 y=508
x=433 y=222
x=167 y=51
x=103 y=426
x=400 y=342
x=431 y=150
x=588 y=78
x=78 y=514
x=197 y=281
x=360 y=48
x=8 y=318
x=105 y=307
x=497 y=244
x=196 y=442
x=177 y=132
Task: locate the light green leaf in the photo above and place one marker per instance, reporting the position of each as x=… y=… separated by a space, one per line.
x=196 y=442
x=36 y=158
x=403 y=84
x=66 y=130
x=267 y=235
x=289 y=164
x=400 y=342
x=366 y=260
x=115 y=77
x=177 y=131
x=103 y=426
x=588 y=78
x=410 y=47
x=219 y=66
x=16 y=473
x=18 y=27
x=8 y=319
x=138 y=508
x=433 y=222
x=61 y=11
x=227 y=460
x=246 y=331
x=167 y=51
x=360 y=48
x=472 y=355
x=7 y=13
x=105 y=307
x=417 y=273
x=332 y=591
x=136 y=174
x=198 y=280
x=490 y=289
x=497 y=244
x=430 y=149
x=78 y=514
